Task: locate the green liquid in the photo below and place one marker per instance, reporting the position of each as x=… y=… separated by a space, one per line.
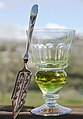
x=50 y=81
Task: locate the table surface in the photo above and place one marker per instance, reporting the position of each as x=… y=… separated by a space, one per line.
x=6 y=113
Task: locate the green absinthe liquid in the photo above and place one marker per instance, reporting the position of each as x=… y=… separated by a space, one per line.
x=50 y=81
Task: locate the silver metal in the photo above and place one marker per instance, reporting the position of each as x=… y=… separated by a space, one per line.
x=33 y=16
x=24 y=76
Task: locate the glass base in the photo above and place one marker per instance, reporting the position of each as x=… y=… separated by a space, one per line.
x=44 y=110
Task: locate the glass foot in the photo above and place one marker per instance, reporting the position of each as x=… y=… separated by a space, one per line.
x=44 y=110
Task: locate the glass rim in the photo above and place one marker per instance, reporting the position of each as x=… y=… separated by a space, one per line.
x=57 y=30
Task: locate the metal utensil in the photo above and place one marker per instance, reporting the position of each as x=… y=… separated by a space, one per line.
x=24 y=76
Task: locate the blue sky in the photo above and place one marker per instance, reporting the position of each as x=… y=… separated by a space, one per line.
x=14 y=15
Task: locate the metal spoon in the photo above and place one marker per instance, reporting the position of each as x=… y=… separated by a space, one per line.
x=24 y=76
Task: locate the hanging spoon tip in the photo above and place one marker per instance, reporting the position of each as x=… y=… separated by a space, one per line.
x=35 y=9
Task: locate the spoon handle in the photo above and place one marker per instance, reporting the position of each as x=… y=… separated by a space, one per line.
x=32 y=20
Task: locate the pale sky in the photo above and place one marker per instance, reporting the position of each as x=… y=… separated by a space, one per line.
x=14 y=16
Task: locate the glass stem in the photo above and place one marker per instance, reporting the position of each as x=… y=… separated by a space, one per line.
x=50 y=99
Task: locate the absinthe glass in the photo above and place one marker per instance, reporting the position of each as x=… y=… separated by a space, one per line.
x=50 y=50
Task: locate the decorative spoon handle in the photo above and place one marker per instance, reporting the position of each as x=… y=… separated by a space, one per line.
x=33 y=16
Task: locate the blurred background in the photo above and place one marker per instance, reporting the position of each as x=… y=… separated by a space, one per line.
x=14 y=18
